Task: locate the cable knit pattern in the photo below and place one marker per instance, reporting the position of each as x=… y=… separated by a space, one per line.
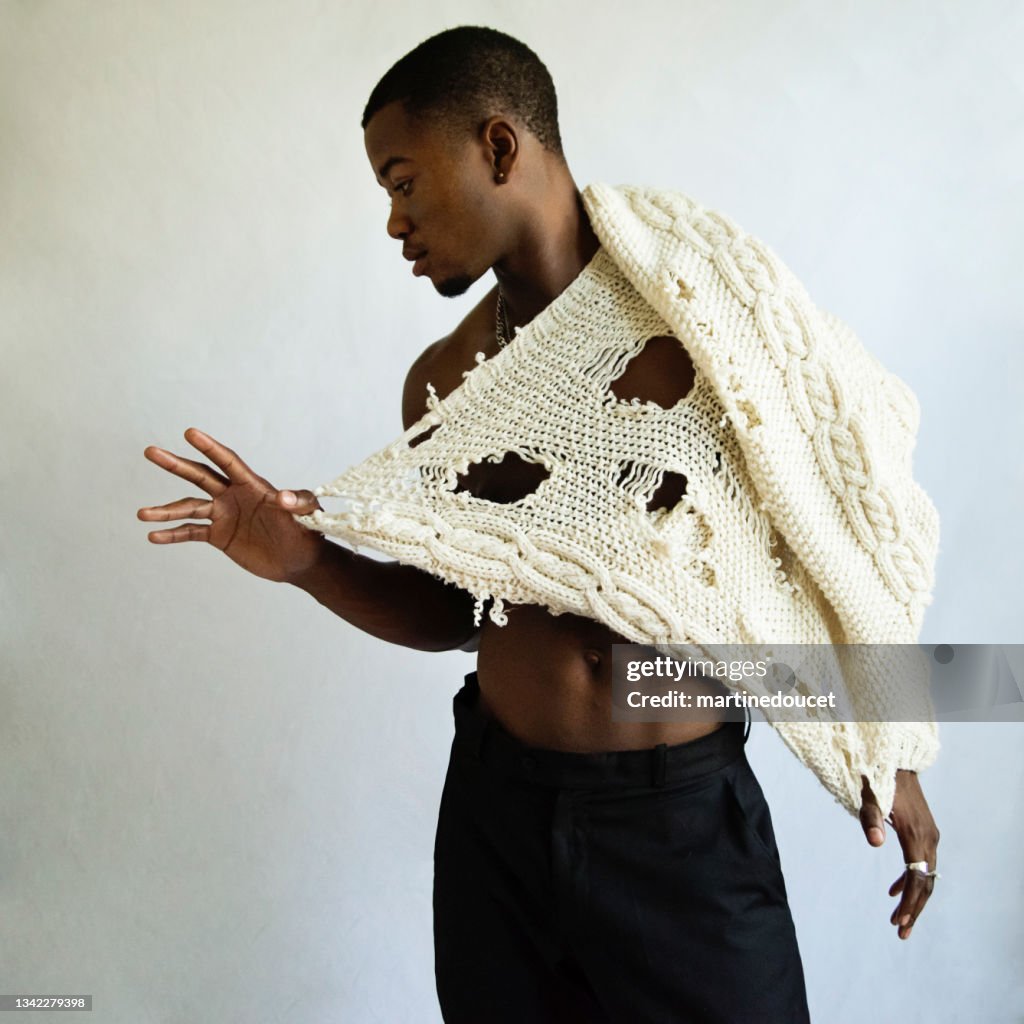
x=800 y=521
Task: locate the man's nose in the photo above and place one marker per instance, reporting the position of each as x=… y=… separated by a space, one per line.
x=398 y=224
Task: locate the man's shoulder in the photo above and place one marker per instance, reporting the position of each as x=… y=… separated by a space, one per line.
x=443 y=362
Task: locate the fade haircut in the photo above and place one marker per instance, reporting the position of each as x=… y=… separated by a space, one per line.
x=462 y=76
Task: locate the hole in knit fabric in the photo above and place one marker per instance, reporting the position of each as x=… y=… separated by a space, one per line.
x=669 y=492
x=637 y=478
x=718 y=463
x=425 y=436
x=661 y=372
x=502 y=480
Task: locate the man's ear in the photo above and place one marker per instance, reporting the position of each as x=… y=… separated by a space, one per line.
x=501 y=142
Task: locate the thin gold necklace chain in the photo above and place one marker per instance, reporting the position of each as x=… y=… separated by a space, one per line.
x=501 y=328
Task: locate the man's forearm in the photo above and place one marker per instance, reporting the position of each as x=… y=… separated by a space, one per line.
x=394 y=602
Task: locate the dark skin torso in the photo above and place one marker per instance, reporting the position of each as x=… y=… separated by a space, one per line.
x=547 y=678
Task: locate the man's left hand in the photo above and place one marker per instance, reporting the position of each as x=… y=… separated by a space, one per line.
x=919 y=838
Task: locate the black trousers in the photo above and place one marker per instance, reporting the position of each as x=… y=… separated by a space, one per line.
x=632 y=887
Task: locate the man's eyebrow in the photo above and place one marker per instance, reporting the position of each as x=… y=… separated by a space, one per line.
x=390 y=162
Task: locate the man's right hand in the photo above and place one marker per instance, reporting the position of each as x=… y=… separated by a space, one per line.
x=250 y=521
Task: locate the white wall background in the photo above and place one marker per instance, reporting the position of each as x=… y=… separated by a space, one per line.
x=217 y=800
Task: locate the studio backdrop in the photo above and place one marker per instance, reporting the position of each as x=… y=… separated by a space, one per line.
x=217 y=799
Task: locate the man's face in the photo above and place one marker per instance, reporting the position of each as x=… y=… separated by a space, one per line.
x=441 y=197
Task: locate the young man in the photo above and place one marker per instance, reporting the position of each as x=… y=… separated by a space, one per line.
x=586 y=869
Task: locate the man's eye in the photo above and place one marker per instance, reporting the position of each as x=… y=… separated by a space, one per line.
x=402 y=188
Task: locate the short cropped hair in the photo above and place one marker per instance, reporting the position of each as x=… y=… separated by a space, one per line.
x=462 y=76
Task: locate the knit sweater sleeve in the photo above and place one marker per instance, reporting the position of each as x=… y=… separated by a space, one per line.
x=827 y=434
x=841 y=753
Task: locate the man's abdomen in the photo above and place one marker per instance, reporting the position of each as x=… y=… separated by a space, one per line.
x=547 y=679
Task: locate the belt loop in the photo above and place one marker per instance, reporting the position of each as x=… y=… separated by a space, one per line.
x=658 y=765
x=469 y=740
x=478 y=742
x=471 y=724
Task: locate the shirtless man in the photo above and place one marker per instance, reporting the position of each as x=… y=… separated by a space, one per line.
x=478 y=182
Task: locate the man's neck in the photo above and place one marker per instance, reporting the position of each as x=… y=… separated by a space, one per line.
x=552 y=251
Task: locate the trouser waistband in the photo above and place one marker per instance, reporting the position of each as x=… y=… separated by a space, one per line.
x=481 y=737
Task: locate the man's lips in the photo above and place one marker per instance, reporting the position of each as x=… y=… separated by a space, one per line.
x=416 y=257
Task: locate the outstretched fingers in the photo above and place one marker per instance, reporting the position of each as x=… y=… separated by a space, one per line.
x=220 y=455
x=184 y=508
x=187 y=531
x=194 y=472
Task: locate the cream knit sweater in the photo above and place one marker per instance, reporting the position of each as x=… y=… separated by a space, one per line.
x=800 y=522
